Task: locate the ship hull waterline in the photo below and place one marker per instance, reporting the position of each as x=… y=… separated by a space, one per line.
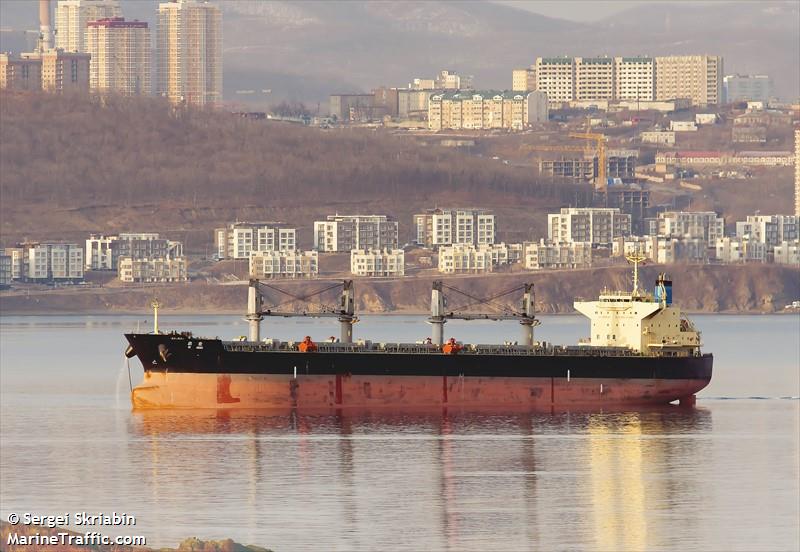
x=216 y=378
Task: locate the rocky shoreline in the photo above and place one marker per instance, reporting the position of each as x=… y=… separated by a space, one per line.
x=697 y=288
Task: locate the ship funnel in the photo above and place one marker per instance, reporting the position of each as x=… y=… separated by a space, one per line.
x=663 y=290
x=45 y=27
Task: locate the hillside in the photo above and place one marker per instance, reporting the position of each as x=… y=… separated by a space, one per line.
x=698 y=288
x=70 y=166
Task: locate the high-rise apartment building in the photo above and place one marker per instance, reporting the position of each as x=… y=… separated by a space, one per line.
x=437 y=227
x=523 y=80
x=705 y=225
x=73 y=16
x=347 y=232
x=189 y=52
x=19 y=73
x=556 y=77
x=738 y=88
x=634 y=78
x=120 y=53
x=594 y=78
x=698 y=78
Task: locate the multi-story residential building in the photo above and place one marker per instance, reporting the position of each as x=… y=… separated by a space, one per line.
x=548 y=255
x=189 y=52
x=99 y=254
x=413 y=103
x=284 y=264
x=666 y=137
x=52 y=262
x=144 y=245
x=749 y=135
x=239 y=239
x=698 y=78
x=152 y=269
x=422 y=84
x=377 y=262
x=634 y=78
x=683 y=126
x=523 y=80
x=769 y=229
x=595 y=225
x=486 y=110
x=347 y=232
x=450 y=80
x=738 y=88
x=73 y=16
x=461 y=258
x=797 y=173
x=19 y=73
x=5 y=271
x=502 y=253
x=705 y=225
x=740 y=250
x=594 y=78
x=120 y=53
x=437 y=227
x=556 y=77
x=62 y=71
x=787 y=252
x=17 y=255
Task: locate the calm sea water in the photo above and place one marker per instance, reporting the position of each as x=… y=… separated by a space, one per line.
x=723 y=476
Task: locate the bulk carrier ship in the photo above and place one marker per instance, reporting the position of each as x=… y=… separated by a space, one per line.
x=641 y=350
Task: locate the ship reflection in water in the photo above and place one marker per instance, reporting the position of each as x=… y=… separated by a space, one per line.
x=429 y=480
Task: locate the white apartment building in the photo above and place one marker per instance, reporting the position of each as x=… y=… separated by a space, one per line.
x=595 y=225
x=120 y=61
x=740 y=250
x=787 y=252
x=377 y=262
x=634 y=78
x=52 y=262
x=72 y=17
x=550 y=256
x=698 y=78
x=464 y=258
x=17 y=255
x=189 y=52
x=239 y=239
x=769 y=229
x=99 y=254
x=665 y=137
x=706 y=225
x=284 y=264
x=683 y=126
x=151 y=270
x=594 y=78
x=475 y=110
x=340 y=233
x=504 y=254
x=739 y=88
x=556 y=77
x=437 y=227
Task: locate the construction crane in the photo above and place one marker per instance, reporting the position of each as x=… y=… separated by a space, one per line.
x=599 y=151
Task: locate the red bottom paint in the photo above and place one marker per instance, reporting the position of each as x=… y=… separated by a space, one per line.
x=190 y=390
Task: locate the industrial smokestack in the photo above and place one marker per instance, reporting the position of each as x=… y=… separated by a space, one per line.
x=45 y=29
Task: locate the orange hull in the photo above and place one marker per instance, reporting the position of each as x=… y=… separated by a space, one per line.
x=271 y=391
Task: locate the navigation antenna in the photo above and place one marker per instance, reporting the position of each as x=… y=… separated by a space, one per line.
x=156 y=305
x=636 y=258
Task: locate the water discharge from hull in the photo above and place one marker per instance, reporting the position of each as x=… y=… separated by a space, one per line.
x=278 y=391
